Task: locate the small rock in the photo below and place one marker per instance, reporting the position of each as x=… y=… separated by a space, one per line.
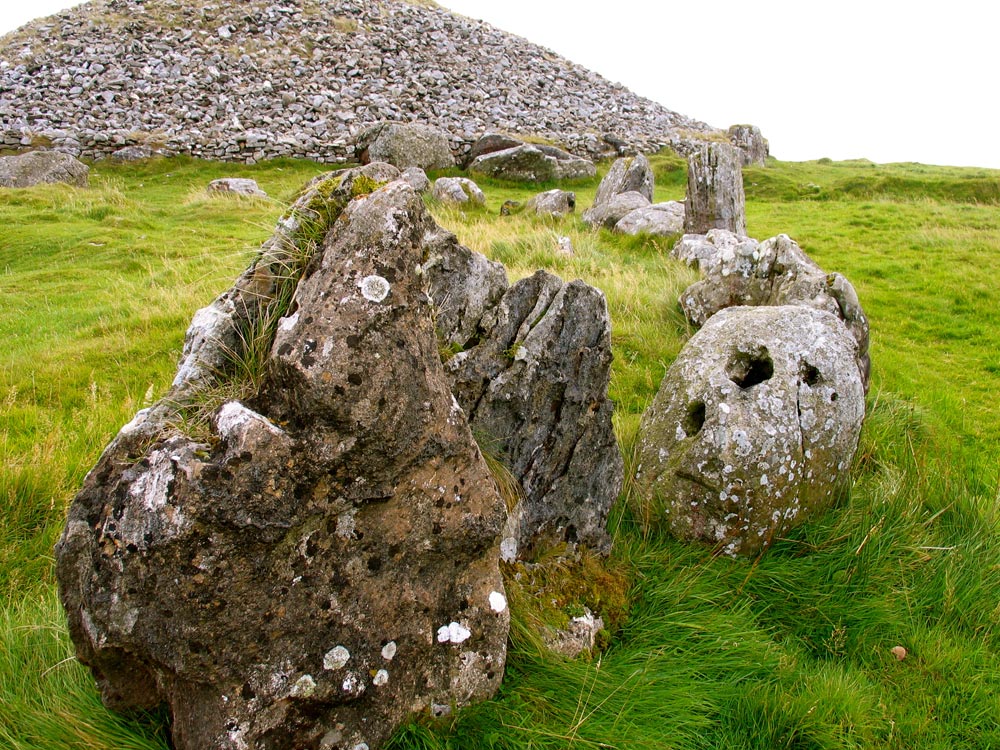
x=613 y=210
x=459 y=191
x=236 y=186
x=552 y=203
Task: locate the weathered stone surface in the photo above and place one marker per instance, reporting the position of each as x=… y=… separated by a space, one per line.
x=404 y=146
x=490 y=143
x=754 y=427
x=458 y=190
x=753 y=146
x=613 y=210
x=133 y=153
x=740 y=271
x=715 y=198
x=661 y=219
x=629 y=174
x=237 y=186
x=532 y=163
x=533 y=382
x=552 y=203
x=416 y=178
x=323 y=562
x=579 y=636
x=109 y=73
x=41 y=167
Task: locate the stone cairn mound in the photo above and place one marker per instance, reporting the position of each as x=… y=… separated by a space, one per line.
x=261 y=79
x=305 y=559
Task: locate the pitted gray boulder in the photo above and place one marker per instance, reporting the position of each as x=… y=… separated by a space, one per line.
x=754 y=427
x=629 y=174
x=552 y=203
x=741 y=271
x=322 y=562
x=534 y=385
x=715 y=198
x=532 y=163
x=42 y=167
x=409 y=145
x=614 y=209
x=459 y=191
x=660 y=219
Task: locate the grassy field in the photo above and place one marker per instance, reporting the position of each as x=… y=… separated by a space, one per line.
x=793 y=650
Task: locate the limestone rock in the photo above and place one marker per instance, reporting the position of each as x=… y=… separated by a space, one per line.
x=416 y=178
x=740 y=271
x=609 y=213
x=41 y=167
x=579 y=636
x=458 y=190
x=490 y=143
x=408 y=145
x=629 y=174
x=323 y=561
x=133 y=153
x=237 y=186
x=534 y=385
x=753 y=146
x=532 y=163
x=661 y=219
x=552 y=203
x=715 y=198
x=754 y=427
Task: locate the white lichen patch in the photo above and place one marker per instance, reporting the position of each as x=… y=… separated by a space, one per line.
x=389 y=650
x=303 y=687
x=498 y=602
x=374 y=288
x=453 y=632
x=381 y=677
x=287 y=324
x=336 y=658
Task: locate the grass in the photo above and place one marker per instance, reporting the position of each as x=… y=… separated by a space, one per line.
x=793 y=650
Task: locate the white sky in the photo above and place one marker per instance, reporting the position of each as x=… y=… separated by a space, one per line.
x=887 y=80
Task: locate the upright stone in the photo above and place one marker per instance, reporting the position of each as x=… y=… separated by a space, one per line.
x=627 y=174
x=753 y=146
x=320 y=559
x=715 y=197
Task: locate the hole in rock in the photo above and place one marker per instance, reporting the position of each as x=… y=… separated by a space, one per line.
x=810 y=375
x=833 y=396
x=748 y=369
x=694 y=420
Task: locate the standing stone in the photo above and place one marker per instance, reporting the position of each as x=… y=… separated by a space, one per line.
x=627 y=174
x=715 y=197
x=321 y=560
x=534 y=385
x=753 y=146
x=754 y=427
x=41 y=167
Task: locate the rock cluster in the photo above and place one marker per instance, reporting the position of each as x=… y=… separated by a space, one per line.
x=529 y=162
x=624 y=202
x=267 y=78
x=304 y=559
x=742 y=271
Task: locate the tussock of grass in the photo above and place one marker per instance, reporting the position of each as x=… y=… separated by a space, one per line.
x=792 y=650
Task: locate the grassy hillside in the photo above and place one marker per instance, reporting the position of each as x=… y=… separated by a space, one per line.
x=791 y=651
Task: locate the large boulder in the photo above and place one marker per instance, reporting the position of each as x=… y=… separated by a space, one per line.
x=754 y=427
x=753 y=146
x=613 y=210
x=319 y=559
x=741 y=271
x=630 y=174
x=660 y=219
x=40 y=167
x=243 y=186
x=715 y=198
x=490 y=143
x=533 y=381
x=458 y=190
x=532 y=163
x=406 y=145
x=552 y=203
